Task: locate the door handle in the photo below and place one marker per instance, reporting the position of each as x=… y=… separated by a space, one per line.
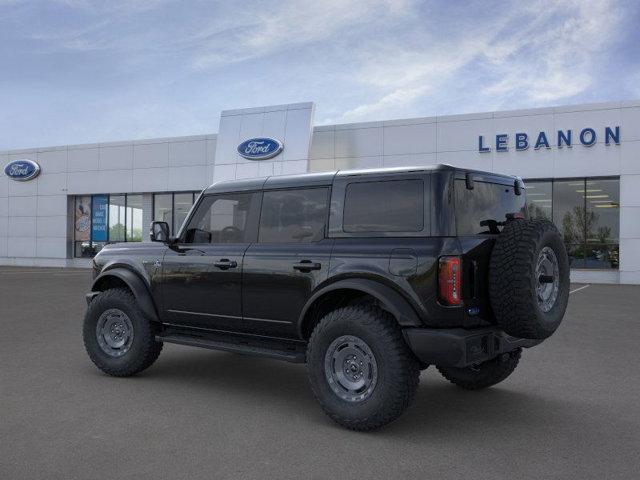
x=307 y=266
x=225 y=264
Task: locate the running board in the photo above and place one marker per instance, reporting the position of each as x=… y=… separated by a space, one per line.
x=290 y=353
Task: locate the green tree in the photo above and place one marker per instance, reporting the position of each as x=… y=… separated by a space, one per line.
x=135 y=236
x=536 y=212
x=577 y=223
x=604 y=234
x=116 y=233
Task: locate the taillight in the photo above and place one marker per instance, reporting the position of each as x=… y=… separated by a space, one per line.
x=450 y=280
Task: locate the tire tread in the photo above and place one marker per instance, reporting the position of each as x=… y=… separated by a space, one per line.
x=512 y=267
x=150 y=348
x=404 y=370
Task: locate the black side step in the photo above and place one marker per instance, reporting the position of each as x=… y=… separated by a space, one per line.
x=287 y=351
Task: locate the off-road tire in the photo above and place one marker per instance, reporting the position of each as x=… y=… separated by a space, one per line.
x=485 y=374
x=144 y=349
x=513 y=282
x=398 y=371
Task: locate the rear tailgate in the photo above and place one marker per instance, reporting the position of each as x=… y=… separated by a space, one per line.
x=482 y=203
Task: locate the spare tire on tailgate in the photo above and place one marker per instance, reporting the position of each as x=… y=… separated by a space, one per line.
x=529 y=278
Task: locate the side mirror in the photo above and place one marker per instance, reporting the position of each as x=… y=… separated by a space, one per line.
x=159 y=232
x=518 y=186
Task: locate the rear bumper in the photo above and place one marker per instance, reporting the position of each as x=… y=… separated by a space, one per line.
x=457 y=347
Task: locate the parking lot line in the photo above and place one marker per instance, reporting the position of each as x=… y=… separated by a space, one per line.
x=579 y=288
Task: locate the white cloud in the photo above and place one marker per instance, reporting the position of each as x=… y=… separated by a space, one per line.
x=404 y=76
x=544 y=52
x=160 y=67
x=112 y=6
x=215 y=34
x=554 y=63
x=397 y=98
x=288 y=24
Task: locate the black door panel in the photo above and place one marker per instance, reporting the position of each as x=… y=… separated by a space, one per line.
x=278 y=280
x=199 y=293
x=290 y=259
x=202 y=274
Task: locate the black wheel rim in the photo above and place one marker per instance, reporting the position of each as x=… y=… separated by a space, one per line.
x=351 y=368
x=114 y=332
x=547 y=279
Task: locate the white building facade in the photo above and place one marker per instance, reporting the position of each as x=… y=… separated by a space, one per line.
x=581 y=165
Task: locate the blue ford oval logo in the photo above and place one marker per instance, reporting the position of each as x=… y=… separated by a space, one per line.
x=260 y=148
x=22 y=170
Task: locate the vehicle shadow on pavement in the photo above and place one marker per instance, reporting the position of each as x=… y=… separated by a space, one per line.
x=242 y=373
x=440 y=410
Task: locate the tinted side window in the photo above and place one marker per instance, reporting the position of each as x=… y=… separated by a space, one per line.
x=293 y=215
x=478 y=209
x=389 y=206
x=223 y=219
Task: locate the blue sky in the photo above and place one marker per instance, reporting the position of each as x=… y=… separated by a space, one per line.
x=77 y=71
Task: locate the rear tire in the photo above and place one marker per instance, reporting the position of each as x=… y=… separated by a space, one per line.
x=485 y=374
x=118 y=337
x=385 y=372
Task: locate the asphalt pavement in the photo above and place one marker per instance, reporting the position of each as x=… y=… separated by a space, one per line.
x=570 y=410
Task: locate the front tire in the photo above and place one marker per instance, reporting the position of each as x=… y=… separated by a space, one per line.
x=117 y=336
x=361 y=371
x=485 y=374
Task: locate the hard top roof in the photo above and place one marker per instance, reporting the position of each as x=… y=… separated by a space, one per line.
x=326 y=178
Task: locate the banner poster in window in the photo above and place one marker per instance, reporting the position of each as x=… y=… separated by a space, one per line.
x=83 y=219
x=99 y=209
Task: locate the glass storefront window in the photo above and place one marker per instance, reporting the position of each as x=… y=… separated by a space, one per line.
x=569 y=217
x=117 y=218
x=603 y=223
x=568 y=210
x=539 y=199
x=182 y=203
x=134 y=218
x=603 y=208
x=82 y=227
x=102 y=219
x=172 y=208
x=163 y=208
x=99 y=217
x=587 y=213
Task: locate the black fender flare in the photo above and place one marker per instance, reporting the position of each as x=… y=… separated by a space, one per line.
x=389 y=299
x=137 y=286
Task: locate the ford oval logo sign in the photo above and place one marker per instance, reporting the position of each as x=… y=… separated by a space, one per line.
x=22 y=170
x=260 y=148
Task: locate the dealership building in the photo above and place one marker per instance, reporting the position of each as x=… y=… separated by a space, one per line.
x=581 y=165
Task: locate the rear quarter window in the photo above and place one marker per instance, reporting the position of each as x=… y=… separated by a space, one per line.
x=487 y=204
x=384 y=206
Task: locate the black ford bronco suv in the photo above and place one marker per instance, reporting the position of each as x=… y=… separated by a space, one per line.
x=366 y=276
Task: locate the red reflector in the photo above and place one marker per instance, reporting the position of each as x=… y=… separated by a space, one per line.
x=449 y=280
